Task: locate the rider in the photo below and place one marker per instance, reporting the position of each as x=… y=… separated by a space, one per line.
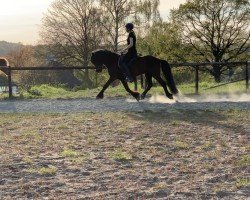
x=130 y=50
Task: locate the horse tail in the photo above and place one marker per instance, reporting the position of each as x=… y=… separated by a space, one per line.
x=169 y=76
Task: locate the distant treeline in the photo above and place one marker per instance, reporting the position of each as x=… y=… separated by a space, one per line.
x=7 y=47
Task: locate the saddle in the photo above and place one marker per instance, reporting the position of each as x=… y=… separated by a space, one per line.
x=130 y=62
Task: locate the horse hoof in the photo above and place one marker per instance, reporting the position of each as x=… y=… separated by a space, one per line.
x=170 y=96
x=137 y=96
x=142 y=96
x=99 y=97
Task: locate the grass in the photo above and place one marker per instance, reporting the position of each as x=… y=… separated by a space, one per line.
x=207 y=145
x=181 y=144
x=90 y=139
x=244 y=161
x=47 y=170
x=62 y=127
x=120 y=155
x=27 y=160
x=243 y=182
x=161 y=185
x=69 y=153
x=52 y=92
x=175 y=123
x=44 y=171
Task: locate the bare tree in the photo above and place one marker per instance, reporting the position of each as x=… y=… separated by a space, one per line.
x=115 y=13
x=71 y=29
x=217 y=29
x=23 y=57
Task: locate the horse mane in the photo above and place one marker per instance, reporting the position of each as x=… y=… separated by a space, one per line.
x=111 y=53
x=4 y=61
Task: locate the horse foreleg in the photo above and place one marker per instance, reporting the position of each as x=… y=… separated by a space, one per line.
x=136 y=95
x=100 y=95
x=149 y=85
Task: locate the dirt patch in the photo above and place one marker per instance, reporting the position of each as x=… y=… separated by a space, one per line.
x=182 y=154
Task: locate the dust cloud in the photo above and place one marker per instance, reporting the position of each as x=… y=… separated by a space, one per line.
x=181 y=98
x=230 y=97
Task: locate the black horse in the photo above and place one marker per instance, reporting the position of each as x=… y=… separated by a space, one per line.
x=148 y=65
x=3 y=62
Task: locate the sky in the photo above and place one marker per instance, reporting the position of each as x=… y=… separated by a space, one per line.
x=20 y=19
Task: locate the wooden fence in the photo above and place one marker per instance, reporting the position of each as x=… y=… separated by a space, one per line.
x=8 y=70
x=197 y=66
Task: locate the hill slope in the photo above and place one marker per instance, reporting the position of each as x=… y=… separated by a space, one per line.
x=6 y=47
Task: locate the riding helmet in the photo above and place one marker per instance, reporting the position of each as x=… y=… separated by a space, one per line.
x=130 y=26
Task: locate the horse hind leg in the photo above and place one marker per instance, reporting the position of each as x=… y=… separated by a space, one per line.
x=149 y=85
x=163 y=84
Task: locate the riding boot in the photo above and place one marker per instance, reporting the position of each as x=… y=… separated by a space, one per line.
x=127 y=72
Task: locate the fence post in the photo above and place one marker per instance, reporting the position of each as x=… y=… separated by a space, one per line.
x=10 y=82
x=247 y=76
x=196 y=79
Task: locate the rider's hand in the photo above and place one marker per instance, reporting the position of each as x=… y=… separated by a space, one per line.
x=123 y=52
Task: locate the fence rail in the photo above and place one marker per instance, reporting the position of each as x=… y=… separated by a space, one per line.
x=209 y=64
x=8 y=70
x=198 y=65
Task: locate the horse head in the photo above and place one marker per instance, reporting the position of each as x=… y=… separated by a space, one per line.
x=98 y=60
x=103 y=58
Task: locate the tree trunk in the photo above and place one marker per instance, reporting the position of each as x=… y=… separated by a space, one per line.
x=217 y=73
x=116 y=82
x=87 y=81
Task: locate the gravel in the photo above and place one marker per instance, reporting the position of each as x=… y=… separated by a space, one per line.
x=118 y=104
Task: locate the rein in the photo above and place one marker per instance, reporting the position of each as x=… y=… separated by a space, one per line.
x=119 y=60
